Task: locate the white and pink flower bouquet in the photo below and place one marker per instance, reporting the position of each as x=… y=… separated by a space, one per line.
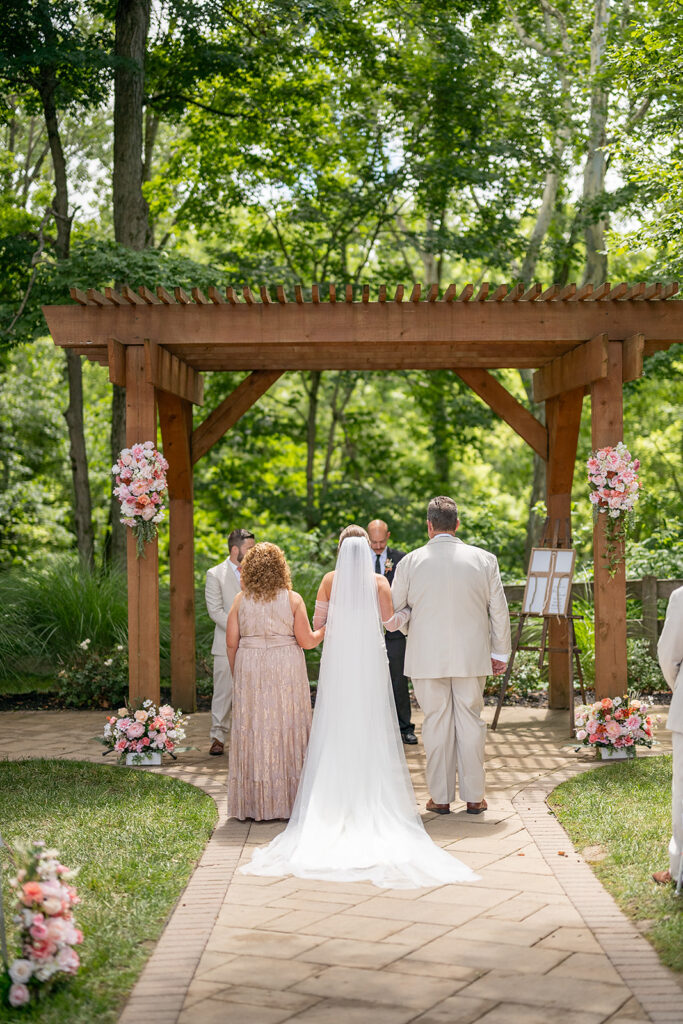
x=148 y=730
x=140 y=473
x=613 y=478
x=45 y=921
x=614 y=723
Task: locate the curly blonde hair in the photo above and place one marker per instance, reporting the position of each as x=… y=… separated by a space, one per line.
x=265 y=572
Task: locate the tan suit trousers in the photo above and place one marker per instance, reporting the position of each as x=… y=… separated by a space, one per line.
x=221 y=702
x=454 y=736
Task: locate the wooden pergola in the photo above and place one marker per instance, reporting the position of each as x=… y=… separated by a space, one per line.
x=580 y=341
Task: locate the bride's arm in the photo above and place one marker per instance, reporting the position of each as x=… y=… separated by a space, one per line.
x=305 y=636
x=322 y=601
x=391 y=620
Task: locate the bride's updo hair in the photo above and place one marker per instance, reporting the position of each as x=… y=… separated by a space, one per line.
x=264 y=572
x=353 y=531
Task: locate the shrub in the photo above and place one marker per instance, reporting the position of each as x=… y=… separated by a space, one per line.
x=91 y=679
x=644 y=675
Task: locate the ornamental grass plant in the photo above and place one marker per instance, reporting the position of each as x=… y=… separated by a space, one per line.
x=135 y=838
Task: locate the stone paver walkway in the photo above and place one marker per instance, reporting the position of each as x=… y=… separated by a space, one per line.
x=536 y=940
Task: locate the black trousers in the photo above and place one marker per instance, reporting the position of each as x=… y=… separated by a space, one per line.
x=396 y=652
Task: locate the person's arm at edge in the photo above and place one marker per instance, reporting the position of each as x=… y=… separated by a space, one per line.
x=232 y=632
x=306 y=637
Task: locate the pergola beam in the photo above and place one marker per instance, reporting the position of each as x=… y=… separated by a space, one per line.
x=230 y=410
x=575 y=369
x=508 y=408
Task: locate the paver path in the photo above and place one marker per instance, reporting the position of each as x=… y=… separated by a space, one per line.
x=536 y=940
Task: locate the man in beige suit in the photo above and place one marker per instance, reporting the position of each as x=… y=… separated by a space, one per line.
x=458 y=633
x=222 y=587
x=670 y=651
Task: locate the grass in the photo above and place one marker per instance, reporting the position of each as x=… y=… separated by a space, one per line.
x=135 y=837
x=626 y=809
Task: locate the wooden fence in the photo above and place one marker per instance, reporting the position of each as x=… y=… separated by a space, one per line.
x=648 y=591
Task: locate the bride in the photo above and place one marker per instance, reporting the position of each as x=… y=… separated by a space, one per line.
x=355 y=815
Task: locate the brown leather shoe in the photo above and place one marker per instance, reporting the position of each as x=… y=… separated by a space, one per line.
x=216 y=748
x=477 y=808
x=438 y=808
x=662 y=877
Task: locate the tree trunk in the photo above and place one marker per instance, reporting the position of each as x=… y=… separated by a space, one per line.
x=546 y=210
x=131 y=212
x=534 y=526
x=596 y=162
x=74 y=413
x=312 y=514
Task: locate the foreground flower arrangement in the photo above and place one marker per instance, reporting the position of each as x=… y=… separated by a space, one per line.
x=136 y=734
x=615 y=724
x=140 y=473
x=47 y=929
x=613 y=478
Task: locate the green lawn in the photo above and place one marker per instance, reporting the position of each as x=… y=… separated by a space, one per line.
x=626 y=809
x=135 y=837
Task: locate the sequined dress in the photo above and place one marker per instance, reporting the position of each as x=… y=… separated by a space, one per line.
x=271 y=712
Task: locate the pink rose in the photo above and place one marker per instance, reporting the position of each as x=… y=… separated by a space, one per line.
x=141 y=716
x=170 y=745
x=31 y=892
x=166 y=711
x=56 y=929
x=581 y=734
x=38 y=931
x=628 y=741
x=633 y=722
x=43 y=950
x=120 y=745
x=19 y=995
x=68 y=960
x=145 y=741
x=613 y=730
x=135 y=730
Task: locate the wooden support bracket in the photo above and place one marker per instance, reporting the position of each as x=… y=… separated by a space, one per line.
x=230 y=410
x=575 y=369
x=168 y=373
x=633 y=350
x=116 y=353
x=508 y=408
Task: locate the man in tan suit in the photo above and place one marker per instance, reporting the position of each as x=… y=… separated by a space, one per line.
x=670 y=651
x=222 y=587
x=458 y=633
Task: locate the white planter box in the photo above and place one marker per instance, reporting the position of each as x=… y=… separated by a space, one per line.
x=144 y=760
x=622 y=754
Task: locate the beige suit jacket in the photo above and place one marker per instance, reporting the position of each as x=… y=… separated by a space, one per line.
x=222 y=587
x=670 y=651
x=459 y=613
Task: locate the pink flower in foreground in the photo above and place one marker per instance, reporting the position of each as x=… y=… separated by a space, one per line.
x=581 y=734
x=135 y=730
x=68 y=960
x=19 y=995
x=32 y=892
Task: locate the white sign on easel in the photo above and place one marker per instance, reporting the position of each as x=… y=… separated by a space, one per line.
x=549 y=581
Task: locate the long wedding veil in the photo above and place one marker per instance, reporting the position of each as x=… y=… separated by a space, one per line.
x=355 y=815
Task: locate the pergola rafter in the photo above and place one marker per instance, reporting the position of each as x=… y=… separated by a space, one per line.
x=586 y=340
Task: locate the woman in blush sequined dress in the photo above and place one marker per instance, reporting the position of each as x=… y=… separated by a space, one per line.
x=271 y=713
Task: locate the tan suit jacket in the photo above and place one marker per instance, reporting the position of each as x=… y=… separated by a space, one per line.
x=670 y=651
x=459 y=613
x=222 y=587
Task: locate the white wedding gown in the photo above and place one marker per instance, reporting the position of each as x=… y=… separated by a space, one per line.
x=355 y=815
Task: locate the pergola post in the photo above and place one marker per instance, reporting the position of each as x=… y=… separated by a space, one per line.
x=175 y=416
x=143 y=573
x=563 y=418
x=607 y=427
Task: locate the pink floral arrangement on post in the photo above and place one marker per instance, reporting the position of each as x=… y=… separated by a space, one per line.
x=140 y=473
x=614 y=723
x=146 y=730
x=47 y=929
x=613 y=478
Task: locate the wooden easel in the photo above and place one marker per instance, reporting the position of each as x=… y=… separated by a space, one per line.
x=555 y=535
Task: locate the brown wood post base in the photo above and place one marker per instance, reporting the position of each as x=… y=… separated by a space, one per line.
x=143 y=573
x=607 y=428
x=175 y=417
x=563 y=417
